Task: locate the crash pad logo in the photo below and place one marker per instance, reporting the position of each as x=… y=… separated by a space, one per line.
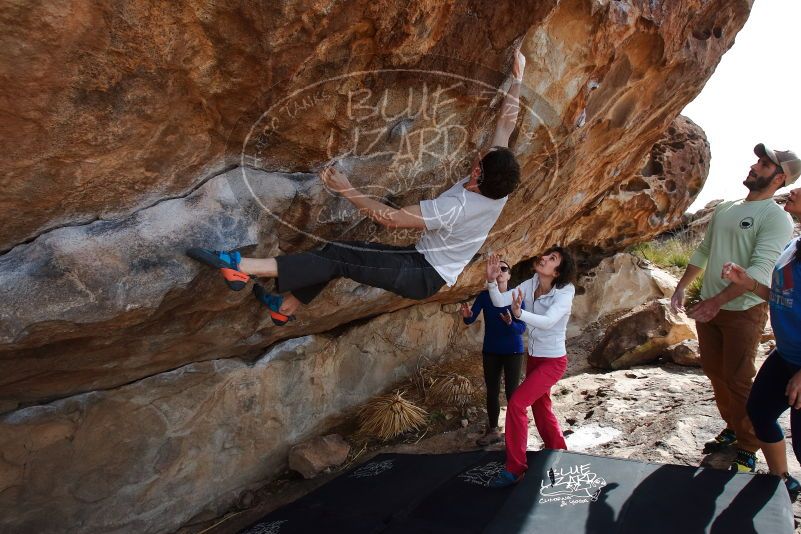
x=572 y=485
x=747 y=223
x=372 y=469
x=273 y=527
x=482 y=474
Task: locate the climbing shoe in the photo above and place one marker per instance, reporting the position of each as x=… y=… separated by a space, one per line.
x=504 y=479
x=725 y=439
x=792 y=485
x=226 y=262
x=745 y=462
x=273 y=303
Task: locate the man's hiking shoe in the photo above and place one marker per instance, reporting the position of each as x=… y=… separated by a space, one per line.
x=273 y=303
x=745 y=462
x=226 y=262
x=725 y=439
x=504 y=479
x=792 y=485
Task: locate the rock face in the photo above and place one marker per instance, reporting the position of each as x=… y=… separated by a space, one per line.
x=684 y=353
x=193 y=439
x=145 y=130
x=312 y=457
x=619 y=283
x=117 y=301
x=642 y=335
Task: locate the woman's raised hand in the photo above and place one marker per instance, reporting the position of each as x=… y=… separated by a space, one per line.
x=517 y=303
x=493 y=268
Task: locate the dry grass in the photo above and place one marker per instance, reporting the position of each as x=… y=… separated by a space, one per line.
x=670 y=253
x=453 y=390
x=391 y=415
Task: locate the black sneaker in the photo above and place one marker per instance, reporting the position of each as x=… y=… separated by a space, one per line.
x=726 y=438
x=745 y=462
x=792 y=485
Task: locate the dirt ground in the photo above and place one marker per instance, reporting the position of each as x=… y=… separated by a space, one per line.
x=656 y=413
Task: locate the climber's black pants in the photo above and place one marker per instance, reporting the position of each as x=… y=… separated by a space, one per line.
x=401 y=270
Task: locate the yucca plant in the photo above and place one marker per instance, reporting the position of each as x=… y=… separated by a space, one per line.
x=453 y=390
x=391 y=415
x=693 y=293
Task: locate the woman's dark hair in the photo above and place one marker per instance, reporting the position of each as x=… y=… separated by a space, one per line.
x=566 y=269
x=500 y=173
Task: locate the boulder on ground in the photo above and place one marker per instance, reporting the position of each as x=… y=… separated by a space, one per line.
x=641 y=336
x=684 y=353
x=312 y=457
x=618 y=283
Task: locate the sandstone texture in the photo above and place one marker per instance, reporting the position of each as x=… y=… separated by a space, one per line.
x=642 y=335
x=684 y=353
x=192 y=440
x=117 y=301
x=132 y=132
x=312 y=457
x=619 y=283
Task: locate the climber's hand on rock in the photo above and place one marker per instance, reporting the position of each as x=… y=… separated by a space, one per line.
x=335 y=180
x=519 y=65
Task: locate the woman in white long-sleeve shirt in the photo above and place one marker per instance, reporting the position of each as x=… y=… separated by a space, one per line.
x=548 y=298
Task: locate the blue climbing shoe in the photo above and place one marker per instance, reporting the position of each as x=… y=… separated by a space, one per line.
x=504 y=479
x=792 y=485
x=745 y=462
x=726 y=438
x=226 y=261
x=273 y=303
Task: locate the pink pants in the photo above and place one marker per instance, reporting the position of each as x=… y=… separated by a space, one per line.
x=535 y=391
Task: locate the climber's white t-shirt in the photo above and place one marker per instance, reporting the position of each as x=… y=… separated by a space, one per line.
x=457 y=224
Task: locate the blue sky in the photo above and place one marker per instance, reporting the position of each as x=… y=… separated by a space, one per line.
x=752 y=97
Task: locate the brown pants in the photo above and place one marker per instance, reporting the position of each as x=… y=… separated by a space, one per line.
x=728 y=346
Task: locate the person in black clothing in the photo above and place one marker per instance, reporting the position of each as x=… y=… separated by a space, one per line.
x=503 y=352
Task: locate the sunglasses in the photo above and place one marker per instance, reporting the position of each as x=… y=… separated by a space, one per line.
x=504 y=269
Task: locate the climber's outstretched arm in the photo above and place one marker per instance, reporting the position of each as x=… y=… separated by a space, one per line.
x=408 y=217
x=507 y=118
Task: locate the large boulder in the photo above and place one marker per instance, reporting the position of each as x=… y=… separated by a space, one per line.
x=641 y=336
x=145 y=130
x=619 y=283
x=93 y=305
x=192 y=440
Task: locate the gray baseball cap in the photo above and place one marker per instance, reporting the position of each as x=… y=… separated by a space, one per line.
x=786 y=159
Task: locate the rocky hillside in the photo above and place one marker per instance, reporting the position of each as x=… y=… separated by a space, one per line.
x=127 y=374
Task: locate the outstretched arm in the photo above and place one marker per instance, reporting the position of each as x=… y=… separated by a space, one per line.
x=408 y=217
x=507 y=119
x=739 y=276
x=561 y=306
x=498 y=299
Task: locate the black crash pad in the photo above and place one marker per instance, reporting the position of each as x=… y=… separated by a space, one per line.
x=562 y=492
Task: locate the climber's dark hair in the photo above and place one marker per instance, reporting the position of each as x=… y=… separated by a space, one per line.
x=500 y=173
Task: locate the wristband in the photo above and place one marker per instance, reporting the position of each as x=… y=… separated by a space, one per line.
x=756 y=285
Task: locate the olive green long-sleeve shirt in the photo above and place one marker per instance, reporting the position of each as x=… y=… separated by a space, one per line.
x=749 y=233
